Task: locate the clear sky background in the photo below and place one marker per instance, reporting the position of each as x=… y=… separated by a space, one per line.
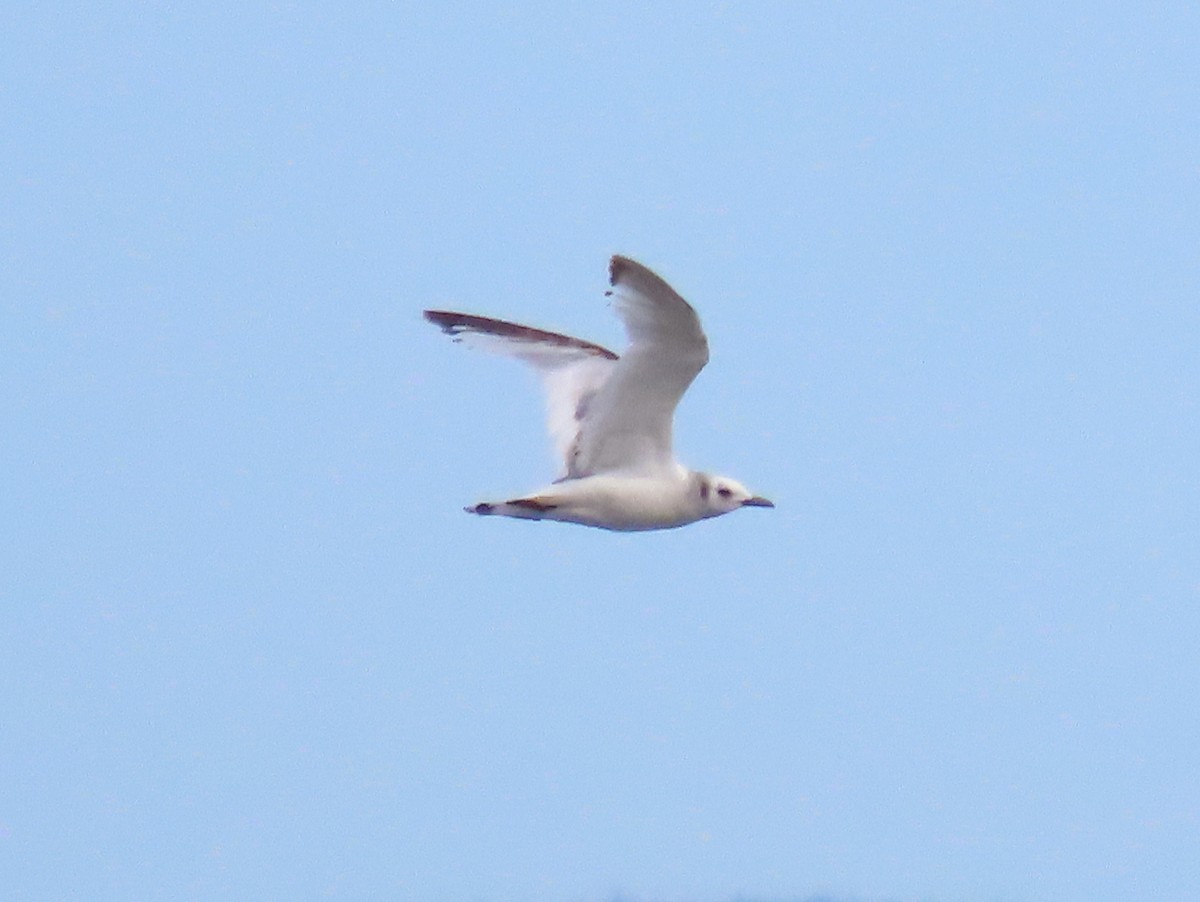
x=948 y=257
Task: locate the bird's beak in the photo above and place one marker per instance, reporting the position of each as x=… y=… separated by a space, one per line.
x=757 y=501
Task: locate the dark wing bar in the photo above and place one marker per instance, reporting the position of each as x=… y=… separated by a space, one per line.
x=454 y=324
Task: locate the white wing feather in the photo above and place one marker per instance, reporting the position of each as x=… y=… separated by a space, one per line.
x=607 y=414
x=572 y=370
x=629 y=422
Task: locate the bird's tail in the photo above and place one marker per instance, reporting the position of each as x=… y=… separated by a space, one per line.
x=533 y=508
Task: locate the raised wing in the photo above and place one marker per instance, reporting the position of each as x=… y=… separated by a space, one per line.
x=628 y=424
x=572 y=370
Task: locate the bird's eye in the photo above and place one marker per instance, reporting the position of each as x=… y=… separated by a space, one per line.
x=724 y=491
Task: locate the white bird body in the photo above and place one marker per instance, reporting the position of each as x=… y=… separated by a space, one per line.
x=611 y=417
x=611 y=501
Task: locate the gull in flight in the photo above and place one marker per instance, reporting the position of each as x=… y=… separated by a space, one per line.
x=611 y=417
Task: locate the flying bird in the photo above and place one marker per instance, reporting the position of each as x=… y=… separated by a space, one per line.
x=611 y=417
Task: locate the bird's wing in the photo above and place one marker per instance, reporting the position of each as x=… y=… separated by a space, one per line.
x=572 y=370
x=628 y=424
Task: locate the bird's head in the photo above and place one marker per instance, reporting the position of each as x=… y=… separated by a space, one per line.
x=720 y=495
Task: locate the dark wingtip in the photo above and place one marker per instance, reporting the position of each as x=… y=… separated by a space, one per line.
x=448 y=322
x=616 y=266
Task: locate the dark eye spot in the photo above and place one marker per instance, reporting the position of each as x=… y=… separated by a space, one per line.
x=704 y=490
x=724 y=491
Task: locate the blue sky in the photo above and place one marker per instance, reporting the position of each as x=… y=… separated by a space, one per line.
x=948 y=257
